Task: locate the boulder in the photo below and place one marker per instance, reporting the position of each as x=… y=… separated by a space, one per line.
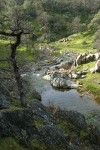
x=59 y=83
x=76 y=75
x=47 y=77
x=40 y=112
x=73 y=117
x=90 y=57
x=54 y=137
x=78 y=60
x=84 y=58
x=4 y=102
x=94 y=135
x=65 y=65
x=96 y=68
x=62 y=83
x=97 y=56
x=33 y=94
x=18 y=124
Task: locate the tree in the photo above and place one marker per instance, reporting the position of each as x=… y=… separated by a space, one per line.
x=76 y=25
x=97 y=40
x=95 y=27
x=14 y=23
x=95 y=22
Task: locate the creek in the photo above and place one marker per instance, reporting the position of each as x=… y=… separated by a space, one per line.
x=65 y=99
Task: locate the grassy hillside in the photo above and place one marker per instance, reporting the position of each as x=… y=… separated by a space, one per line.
x=79 y=43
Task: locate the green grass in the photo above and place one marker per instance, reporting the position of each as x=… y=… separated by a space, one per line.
x=78 y=43
x=22 y=52
x=91 y=81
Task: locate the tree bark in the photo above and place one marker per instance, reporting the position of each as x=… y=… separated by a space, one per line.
x=16 y=68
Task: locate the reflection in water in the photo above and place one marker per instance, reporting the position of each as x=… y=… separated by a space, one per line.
x=69 y=99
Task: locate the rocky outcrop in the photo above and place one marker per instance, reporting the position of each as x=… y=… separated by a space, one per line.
x=40 y=112
x=54 y=136
x=62 y=133
x=85 y=58
x=96 y=68
x=4 y=102
x=65 y=65
x=18 y=124
x=77 y=74
x=94 y=135
x=33 y=94
x=73 y=117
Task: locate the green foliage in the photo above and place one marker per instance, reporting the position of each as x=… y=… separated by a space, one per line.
x=95 y=22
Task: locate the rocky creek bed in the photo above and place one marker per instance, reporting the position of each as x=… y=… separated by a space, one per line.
x=65 y=98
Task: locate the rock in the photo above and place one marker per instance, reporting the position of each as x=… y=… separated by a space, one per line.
x=62 y=83
x=66 y=65
x=76 y=75
x=90 y=57
x=84 y=58
x=59 y=83
x=92 y=70
x=97 y=56
x=4 y=102
x=33 y=94
x=63 y=40
x=71 y=84
x=94 y=135
x=18 y=124
x=73 y=75
x=40 y=112
x=53 y=136
x=47 y=77
x=78 y=60
x=73 y=117
x=96 y=68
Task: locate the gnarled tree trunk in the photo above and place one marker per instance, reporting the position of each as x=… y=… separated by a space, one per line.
x=16 y=68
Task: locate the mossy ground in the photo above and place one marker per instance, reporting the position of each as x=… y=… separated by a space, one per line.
x=91 y=82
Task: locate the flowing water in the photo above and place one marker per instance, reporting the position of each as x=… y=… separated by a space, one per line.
x=66 y=99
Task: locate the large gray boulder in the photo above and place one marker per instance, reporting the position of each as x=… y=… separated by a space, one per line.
x=63 y=83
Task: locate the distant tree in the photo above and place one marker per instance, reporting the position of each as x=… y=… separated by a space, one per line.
x=95 y=22
x=76 y=25
x=97 y=40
